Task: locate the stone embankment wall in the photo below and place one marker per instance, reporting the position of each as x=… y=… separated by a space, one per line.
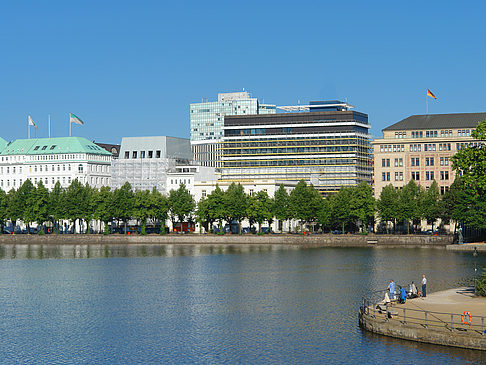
x=398 y=329
x=317 y=240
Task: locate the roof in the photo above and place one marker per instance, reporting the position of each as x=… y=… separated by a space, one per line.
x=435 y=121
x=49 y=146
x=3 y=143
x=113 y=148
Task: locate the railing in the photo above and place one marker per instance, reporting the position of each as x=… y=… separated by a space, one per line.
x=423 y=318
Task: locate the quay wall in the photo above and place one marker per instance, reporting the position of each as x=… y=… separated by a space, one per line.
x=316 y=240
x=420 y=334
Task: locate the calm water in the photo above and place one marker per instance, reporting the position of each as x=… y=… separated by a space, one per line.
x=210 y=305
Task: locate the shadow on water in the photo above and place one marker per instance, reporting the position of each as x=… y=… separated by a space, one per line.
x=29 y=251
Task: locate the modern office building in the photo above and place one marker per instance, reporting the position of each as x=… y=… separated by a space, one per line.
x=52 y=160
x=324 y=143
x=420 y=148
x=145 y=161
x=207 y=120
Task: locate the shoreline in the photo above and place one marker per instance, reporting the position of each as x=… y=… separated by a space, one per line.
x=315 y=240
x=435 y=319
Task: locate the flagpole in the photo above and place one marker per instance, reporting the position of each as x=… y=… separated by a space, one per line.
x=70 y=127
x=426 y=104
x=28 y=128
x=49 y=125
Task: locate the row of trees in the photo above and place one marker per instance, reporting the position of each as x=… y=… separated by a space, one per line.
x=350 y=209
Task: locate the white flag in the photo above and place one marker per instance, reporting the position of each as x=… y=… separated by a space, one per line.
x=31 y=122
x=74 y=119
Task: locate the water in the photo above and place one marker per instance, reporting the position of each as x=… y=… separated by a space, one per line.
x=210 y=305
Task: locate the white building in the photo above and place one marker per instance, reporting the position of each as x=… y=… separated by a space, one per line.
x=145 y=161
x=53 y=159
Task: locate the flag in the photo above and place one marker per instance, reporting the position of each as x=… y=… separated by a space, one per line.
x=75 y=119
x=429 y=93
x=31 y=122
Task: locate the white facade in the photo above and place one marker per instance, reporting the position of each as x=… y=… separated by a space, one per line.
x=52 y=160
x=145 y=161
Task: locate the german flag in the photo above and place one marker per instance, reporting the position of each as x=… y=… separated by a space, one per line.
x=429 y=93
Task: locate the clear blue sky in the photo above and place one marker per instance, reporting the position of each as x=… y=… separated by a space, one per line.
x=131 y=68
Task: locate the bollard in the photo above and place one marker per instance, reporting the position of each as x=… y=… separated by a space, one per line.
x=426 y=325
x=452 y=322
x=404 y=316
x=482 y=326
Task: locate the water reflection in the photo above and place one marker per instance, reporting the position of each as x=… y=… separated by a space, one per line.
x=35 y=251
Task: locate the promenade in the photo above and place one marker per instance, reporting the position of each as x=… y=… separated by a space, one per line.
x=439 y=318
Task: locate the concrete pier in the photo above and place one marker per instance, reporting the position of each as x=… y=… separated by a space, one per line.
x=439 y=318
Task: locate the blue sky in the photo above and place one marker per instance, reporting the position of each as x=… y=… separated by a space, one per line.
x=132 y=68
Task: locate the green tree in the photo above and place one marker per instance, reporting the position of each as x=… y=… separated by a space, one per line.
x=305 y=202
x=387 y=205
x=21 y=203
x=39 y=203
x=450 y=204
x=470 y=163
x=363 y=204
x=430 y=206
x=235 y=201
x=324 y=216
x=202 y=214
x=102 y=206
x=142 y=208
x=13 y=213
x=281 y=208
x=260 y=208
x=341 y=207
x=3 y=209
x=216 y=207
x=123 y=204
x=409 y=203
x=160 y=208
x=181 y=204
x=76 y=202
x=56 y=205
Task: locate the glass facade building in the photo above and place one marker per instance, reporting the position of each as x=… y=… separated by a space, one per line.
x=328 y=148
x=207 y=121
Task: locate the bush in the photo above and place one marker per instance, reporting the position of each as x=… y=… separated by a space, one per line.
x=481 y=284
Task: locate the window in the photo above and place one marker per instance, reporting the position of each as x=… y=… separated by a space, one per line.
x=134 y=154
x=127 y=155
x=43 y=148
x=157 y=154
x=142 y=154
x=80 y=168
x=203 y=193
x=36 y=148
x=52 y=147
x=387 y=176
x=150 y=154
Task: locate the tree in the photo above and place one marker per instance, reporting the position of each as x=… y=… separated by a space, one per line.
x=160 y=208
x=3 y=209
x=409 y=203
x=324 y=216
x=20 y=207
x=235 y=201
x=388 y=205
x=260 y=208
x=363 y=203
x=202 y=214
x=430 y=206
x=215 y=207
x=142 y=208
x=56 y=206
x=181 y=204
x=450 y=204
x=305 y=202
x=123 y=204
x=281 y=208
x=470 y=163
x=102 y=206
x=341 y=207
x=39 y=204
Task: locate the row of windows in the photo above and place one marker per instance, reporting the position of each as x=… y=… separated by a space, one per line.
x=181 y=181
x=56 y=157
x=143 y=154
x=417 y=147
x=415 y=175
x=45 y=168
x=388 y=148
x=433 y=134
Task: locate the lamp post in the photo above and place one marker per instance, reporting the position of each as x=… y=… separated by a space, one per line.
x=475 y=254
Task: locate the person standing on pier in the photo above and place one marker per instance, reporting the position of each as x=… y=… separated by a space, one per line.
x=424 y=286
x=391 y=288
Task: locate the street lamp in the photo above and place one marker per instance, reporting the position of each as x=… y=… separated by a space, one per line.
x=475 y=254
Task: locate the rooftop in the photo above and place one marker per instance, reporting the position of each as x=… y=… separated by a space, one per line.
x=437 y=121
x=43 y=146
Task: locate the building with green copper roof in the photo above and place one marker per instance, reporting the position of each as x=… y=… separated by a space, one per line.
x=52 y=160
x=50 y=146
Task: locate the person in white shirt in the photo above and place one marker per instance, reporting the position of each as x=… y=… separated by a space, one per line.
x=424 y=286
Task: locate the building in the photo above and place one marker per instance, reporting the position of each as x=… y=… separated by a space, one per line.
x=52 y=160
x=324 y=143
x=190 y=176
x=114 y=149
x=207 y=120
x=145 y=161
x=420 y=148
